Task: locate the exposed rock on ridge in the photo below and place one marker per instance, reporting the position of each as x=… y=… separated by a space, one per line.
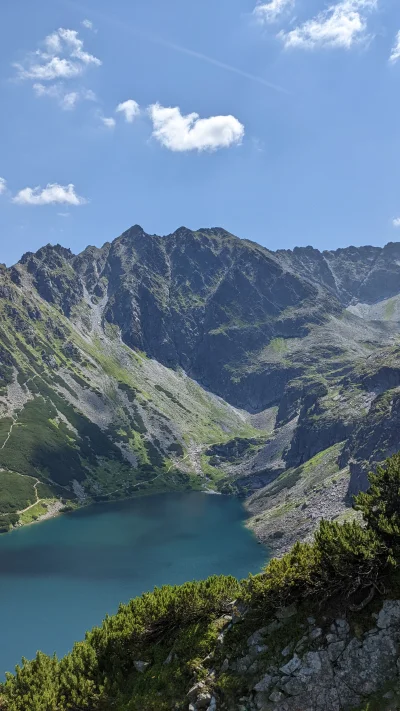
x=300 y=346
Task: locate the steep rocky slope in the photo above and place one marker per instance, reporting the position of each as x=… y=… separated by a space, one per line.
x=198 y=360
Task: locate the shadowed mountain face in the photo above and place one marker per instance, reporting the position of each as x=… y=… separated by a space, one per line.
x=205 y=301
x=140 y=336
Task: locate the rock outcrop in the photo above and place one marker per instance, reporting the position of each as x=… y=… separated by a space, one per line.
x=331 y=666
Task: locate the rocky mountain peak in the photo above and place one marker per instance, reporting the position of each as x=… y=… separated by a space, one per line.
x=134 y=232
x=301 y=342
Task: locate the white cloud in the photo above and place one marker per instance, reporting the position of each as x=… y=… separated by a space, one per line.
x=53 y=68
x=396 y=222
x=63 y=214
x=71 y=40
x=53 y=43
x=89 y=95
x=42 y=90
x=272 y=10
x=63 y=58
x=3 y=185
x=129 y=108
x=88 y=24
x=189 y=133
x=395 y=54
x=70 y=100
x=52 y=194
x=108 y=122
x=66 y=99
x=340 y=25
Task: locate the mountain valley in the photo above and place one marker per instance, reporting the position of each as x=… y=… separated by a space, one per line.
x=198 y=361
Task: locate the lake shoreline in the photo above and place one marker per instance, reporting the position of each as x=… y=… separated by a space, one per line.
x=53 y=510
x=57 y=508
x=60 y=580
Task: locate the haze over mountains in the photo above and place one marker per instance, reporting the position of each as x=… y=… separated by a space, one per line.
x=199 y=360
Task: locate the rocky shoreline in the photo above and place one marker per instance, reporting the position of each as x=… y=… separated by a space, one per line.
x=53 y=510
x=290 y=508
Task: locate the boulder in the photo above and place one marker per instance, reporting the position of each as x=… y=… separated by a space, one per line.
x=291 y=666
x=141 y=666
x=389 y=615
x=264 y=684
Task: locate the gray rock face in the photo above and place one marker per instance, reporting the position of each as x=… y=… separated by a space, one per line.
x=196 y=690
x=203 y=700
x=171 y=297
x=340 y=674
x=305 y=342
x=389 y=615
x=315 y=633
x=335 y=650
x=141 y=666
x=257 y=637
x=264 y=684
x=291 y=666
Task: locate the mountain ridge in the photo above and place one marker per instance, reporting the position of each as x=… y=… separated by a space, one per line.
x=371 y=252
x=261 y=362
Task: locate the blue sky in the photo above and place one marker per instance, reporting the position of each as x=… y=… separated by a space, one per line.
x=296 y=139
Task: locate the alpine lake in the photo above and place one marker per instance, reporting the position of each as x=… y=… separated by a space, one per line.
x=60 y=577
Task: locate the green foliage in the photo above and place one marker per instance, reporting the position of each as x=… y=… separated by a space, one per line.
x=6 y=375
x=35 y=686
x=287 y=480
x=278 y=345
x=154 y=455
x=284 y=580
x=33 y=513
x=5 y=425
x=7 y=521
x=16 y=492
x=176 y=448
x=344 y=559
x=344 y=562
x=37 y=443
x=40 y=444
x=130 y=391
x=171 y=397
x=351 y=557
x=389 y=309
x=380 y=505
x=99 y=669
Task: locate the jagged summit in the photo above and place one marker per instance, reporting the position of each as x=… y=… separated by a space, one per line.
x=134 y=231
x=205 y=354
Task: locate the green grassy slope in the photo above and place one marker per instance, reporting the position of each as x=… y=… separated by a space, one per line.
x=90 y=418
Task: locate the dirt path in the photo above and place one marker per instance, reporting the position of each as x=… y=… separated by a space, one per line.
x=14 y=422
x=193 y=455
x=30 y=507
x=15 y=419
x=35 y=486
x=37 y=482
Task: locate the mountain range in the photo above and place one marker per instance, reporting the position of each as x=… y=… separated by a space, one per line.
x=198 y=360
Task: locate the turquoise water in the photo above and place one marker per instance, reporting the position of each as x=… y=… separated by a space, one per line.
x=59 y=578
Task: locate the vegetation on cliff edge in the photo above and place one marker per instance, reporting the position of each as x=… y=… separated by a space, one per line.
x=350 y=561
